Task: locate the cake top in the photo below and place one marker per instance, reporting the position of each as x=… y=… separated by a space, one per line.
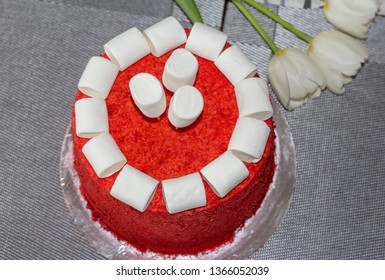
x=155 y=150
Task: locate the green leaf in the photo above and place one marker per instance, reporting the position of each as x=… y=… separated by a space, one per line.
x=279 y=20
x=254 y=22
x=190 y=9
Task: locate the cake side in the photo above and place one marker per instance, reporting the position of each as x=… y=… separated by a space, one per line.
x=189 y=232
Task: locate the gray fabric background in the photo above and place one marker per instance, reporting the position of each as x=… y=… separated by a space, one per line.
x=338 y=209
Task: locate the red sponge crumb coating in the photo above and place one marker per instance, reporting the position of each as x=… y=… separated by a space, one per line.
x=156 y=148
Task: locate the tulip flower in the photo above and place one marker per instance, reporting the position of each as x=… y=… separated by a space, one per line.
x=339 y=56
x=294 y=77
x=353 y=17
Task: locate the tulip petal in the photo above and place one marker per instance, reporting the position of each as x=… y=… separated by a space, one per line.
x=355 y=29
x=296 y=103
x=353 y=17
x=355 y=45
x=295 y=77
x=339 y=56
x=317 y=93
x=310 y=71
x=278 y=80
x=335 y=81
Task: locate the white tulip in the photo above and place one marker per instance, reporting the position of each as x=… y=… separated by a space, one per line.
x=294 y=77
x=339 y=56
x=353 y=17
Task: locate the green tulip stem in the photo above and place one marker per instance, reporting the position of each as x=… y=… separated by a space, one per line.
x=279 y=20
x=190 y=9
x=256 y=25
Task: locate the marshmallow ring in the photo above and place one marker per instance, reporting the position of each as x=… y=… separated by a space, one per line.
x=222 y=174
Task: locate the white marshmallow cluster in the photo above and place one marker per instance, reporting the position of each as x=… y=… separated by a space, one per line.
x=253 y=99
x=148 y=94
x=134 y=188
x=205 y=41
x=184 y=193
x=235 y=65
x=104 y=155
x=225 y=173
x=247 y=142
x=249 y=139
x=91 y=117
x=127 y=48
x=185 y=106
x=98 y=77
x=181 y=69
x=165 y=36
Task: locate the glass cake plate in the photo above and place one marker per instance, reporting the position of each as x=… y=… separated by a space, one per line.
x=248 y=240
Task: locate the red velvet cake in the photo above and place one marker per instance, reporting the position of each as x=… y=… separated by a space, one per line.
x=156 y=148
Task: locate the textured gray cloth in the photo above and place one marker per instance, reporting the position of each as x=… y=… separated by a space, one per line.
x=338 y=209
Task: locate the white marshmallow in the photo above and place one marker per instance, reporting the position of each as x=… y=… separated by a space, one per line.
x=205 y=41
x=134 y=188
x=127 y=48
x=104 y=155
x=185 y=106
x=235 y=65
x=165 y=36
x=148 y=94
x=180 y=69
x=184 y=193
x=249 y=139
x=225 y=173
x=91 y=117
x=98 y=77
x=253 y=99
